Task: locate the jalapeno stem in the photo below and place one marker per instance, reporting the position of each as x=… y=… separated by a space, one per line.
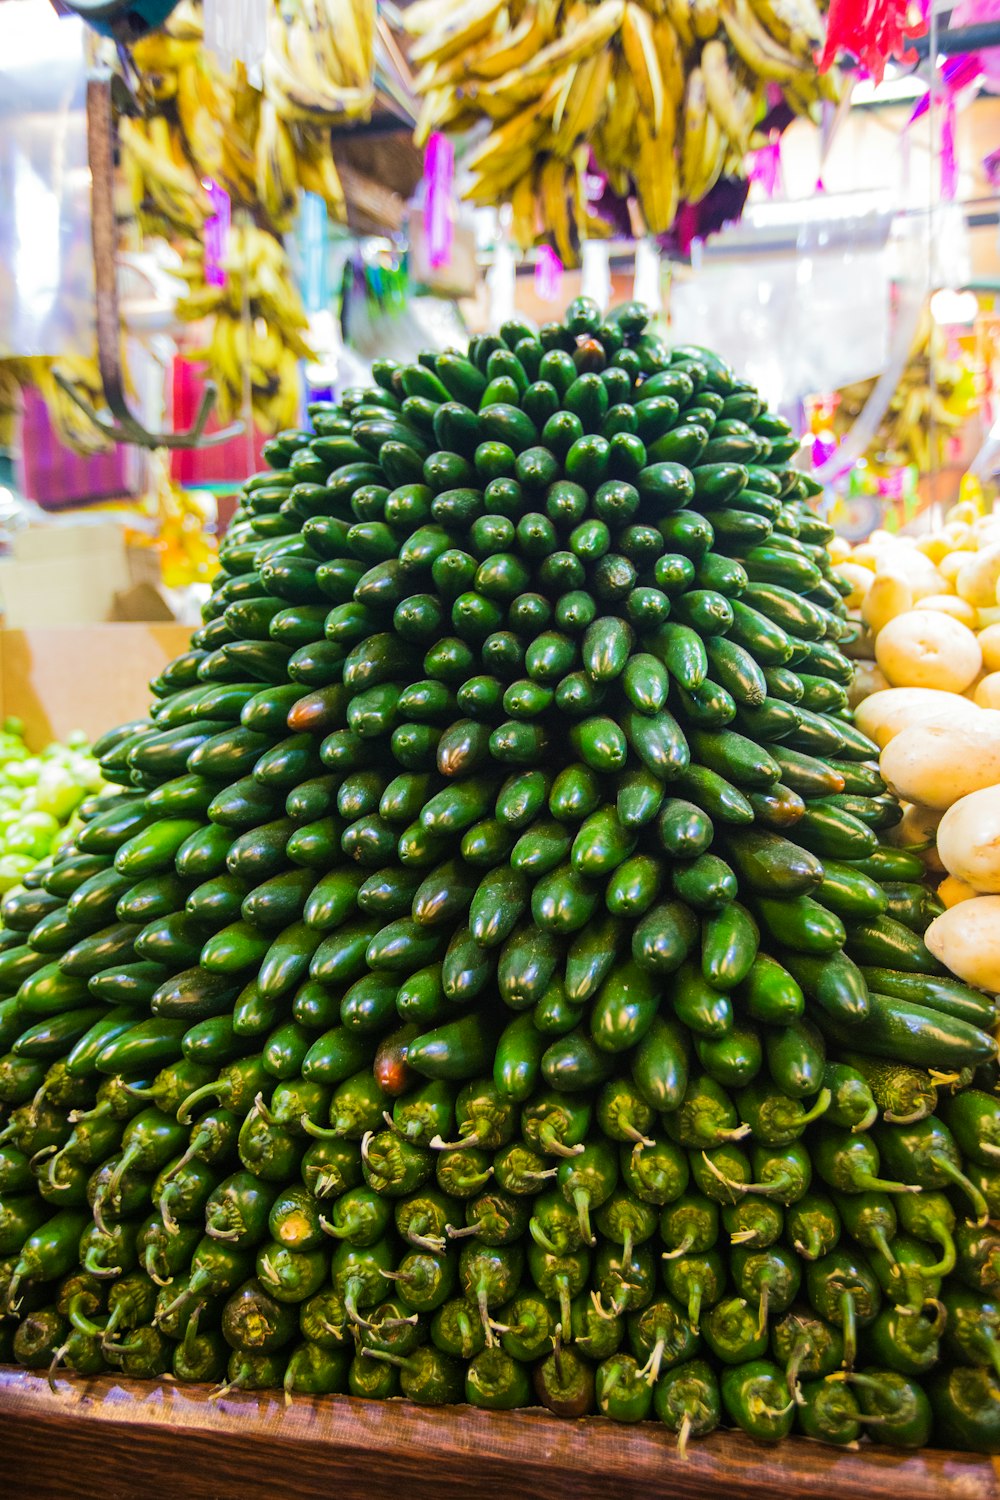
x=717 y=1172
x=79 y=1320
x=581 y=1200
x=823 y=1101
x=975 y=1197
x=321 y=1132
x=221 y=1234
x=798 y=1354
x=351 y=1305
x=42 y=1153
x=91 y=1265
x=437 y=1144
x=849 y=1314
x=650 y=1371
x=762 y=1311
x=13 y=1301
x=57 y=1360
x=331 y=1229
x=683 y=1434
x=689 y=1241
x=50 y=1170
x=550 y=1142
x=946 y=1264
x=169 y=1222
x=151 y=1272
x=540 y=1237
x=211 y=1090
x=98 y=1111
x=200 y=1139
x=599 y=1308
x=468 y=1231
x=867 y=1120
x=432 y=1242
x=758 y=1407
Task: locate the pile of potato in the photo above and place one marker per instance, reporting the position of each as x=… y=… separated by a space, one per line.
x=927 y=690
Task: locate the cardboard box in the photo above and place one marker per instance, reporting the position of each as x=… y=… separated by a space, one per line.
x=91 y=677
x=78 y=575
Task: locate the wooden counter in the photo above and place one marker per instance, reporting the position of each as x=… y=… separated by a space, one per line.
x=108 y=1439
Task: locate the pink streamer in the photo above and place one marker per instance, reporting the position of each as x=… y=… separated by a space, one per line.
x=439 y=176
x=764 y=165
x=548 y=274
x=973 y=13
x=216 y=233
x=949 y=164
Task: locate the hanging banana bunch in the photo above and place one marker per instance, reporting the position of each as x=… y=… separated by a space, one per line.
x=258 y=327
x=667 y=94
x=934 y=399
x=263 y=147
x=71 y=426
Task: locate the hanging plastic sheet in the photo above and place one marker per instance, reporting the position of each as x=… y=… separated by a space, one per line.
x=46 y=266
x=797 y=308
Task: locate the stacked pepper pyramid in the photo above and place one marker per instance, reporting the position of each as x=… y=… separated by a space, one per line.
x=487 y=980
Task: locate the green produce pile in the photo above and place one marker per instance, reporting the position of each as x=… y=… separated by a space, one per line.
x=38 y=796
x=488 y=983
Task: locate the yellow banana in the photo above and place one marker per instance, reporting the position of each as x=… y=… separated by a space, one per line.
x=668 y=51
x=275 y=168
x=573 y=45
x=720 y=90
x=693 y=140
x=639 y=47
x=522 y=203
x=704 y=18
x=762 y=54
x=464 y=24
x=555 y=213
x=586 y=104
x=679 y=13
x=795 y=24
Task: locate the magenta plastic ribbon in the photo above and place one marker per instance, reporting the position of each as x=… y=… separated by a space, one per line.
x=439 y=176
x=971 y=13
x=548 y=274
x=822 y=450
x=949 y=164
x=890 y=486
x=764 y=165
x=216 y=232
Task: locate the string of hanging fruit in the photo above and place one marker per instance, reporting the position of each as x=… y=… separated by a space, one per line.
x=662 y=98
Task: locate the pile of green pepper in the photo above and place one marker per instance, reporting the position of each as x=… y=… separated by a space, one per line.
x=486 y=981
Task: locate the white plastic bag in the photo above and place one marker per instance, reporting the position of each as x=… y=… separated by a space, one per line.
x=46 y=260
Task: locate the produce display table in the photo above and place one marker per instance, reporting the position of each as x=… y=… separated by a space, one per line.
x=116 y=1439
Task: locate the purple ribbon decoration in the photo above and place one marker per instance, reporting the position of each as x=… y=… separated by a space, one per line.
x=216 y=232
x=548 y=274
x=439 y=176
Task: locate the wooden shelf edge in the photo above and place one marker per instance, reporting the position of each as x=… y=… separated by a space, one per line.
x=124 y=1439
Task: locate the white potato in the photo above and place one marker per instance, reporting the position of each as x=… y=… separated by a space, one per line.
x=968 y=839
x=950 y=604
x=936 y=764
x=889 y=595
x=966 y=939
x=989 y=645
x=976 y=580
x=860 y=579
x=927 y=649
x=888 y=712
x=867 y=680
x=987 y=693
